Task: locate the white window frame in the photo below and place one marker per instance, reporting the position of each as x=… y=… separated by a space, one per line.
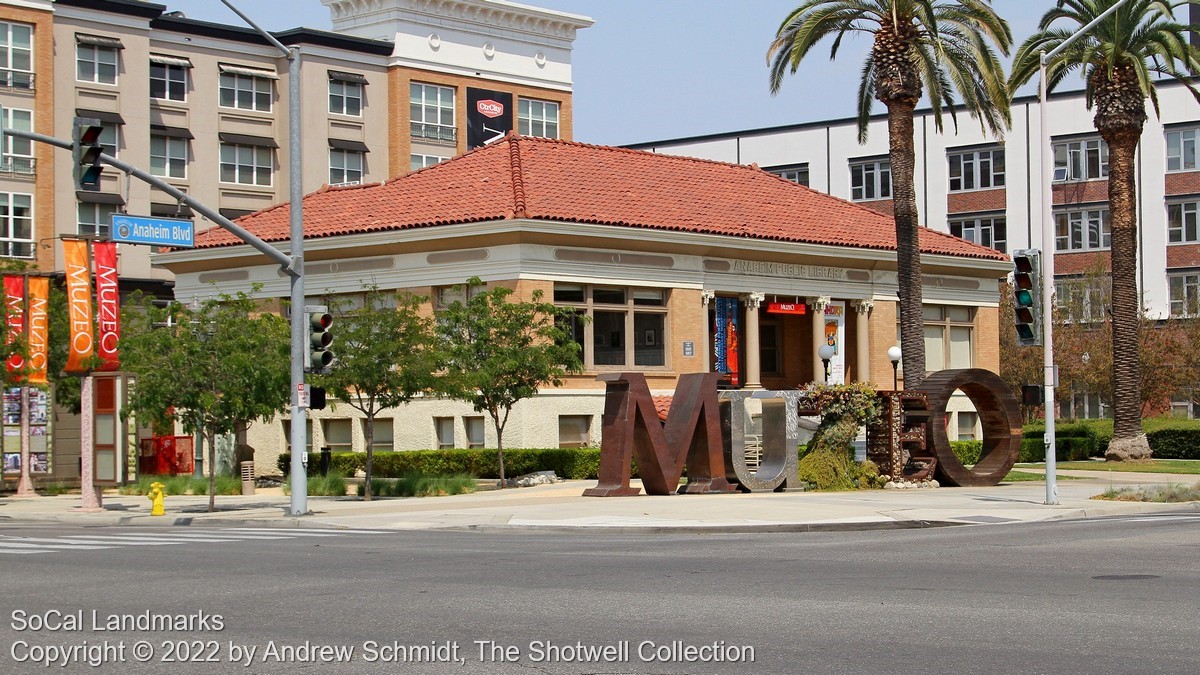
x=110 y=138
x=345 y=166
x=99 y=59
x=1183 y=293
x=946 y=324
x=1183 y=222
x=976 y=170
x=16 y=209
x=468 y=422
x=1072 y=160
x=1082 y=229
x=1087 y=405
x=1083 y=299
x=870 y=180
x=432 y=112
x=172 y=160
x=341 y=96
x=440 y=425
x=637 y=342
x=572 y=421
x=94 y=218
x=340 y=424
x=1186 y=404
x=990 y=231
x=1181 y=149
x=18 y=152
x=797 y=174
x=536 y=117
x=171 y=75
x=10 y=52
x=418 y=161
x=246 y=92
x=247 y=159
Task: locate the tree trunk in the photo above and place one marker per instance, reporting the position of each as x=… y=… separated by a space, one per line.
x=212 y=471
x=500 y=450
x=908 y=253
x=370 y=455
x=1128 y=443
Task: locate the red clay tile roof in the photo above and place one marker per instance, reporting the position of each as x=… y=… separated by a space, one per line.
x=544 y=179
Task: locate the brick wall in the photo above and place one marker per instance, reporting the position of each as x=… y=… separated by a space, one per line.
x=881 y=325
x=987 y=338
x=1081 y=263
x=883 y=206
x=1186 y=183
x=976 y=200
x=1183 y=255
x=1081 y=192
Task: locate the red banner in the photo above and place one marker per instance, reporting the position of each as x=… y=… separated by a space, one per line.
x=108 y=307
x=39 y=329
x=786 y=308
x=79 y=305
x=14 y=315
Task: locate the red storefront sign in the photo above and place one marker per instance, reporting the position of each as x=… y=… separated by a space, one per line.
x=786 y=308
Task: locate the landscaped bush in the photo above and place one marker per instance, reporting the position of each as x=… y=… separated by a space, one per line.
x=1169 y=438
x=569 y=463
x=1175 y=443
x=183 y=485
x=1067 y=448
x=968 y=452
x=419 y=485
x=332 y=484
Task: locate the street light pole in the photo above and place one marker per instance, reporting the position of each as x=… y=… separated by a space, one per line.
x=299 y=432
x=894 y=355
x=1048 y=253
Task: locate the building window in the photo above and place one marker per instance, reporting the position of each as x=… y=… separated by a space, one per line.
x=770 y=337
x=949 y=337
x=1086 y=405
x=1185 y=404
x=1080 y=160
x=245 y=92
x=247 y=164
x=168 y=156
x=422 y=161
x=796 y=174
x=287 y=433
x=16 y=55
x=1082 y=230
x=18 y=152
x=574 y=431
x=991 y=231
x=16 y=225
x=871 y=180
x=431 y=112
x=382 y=434
x=95 y=218
x=339 y=435
x=110 y=138
x=95 y=63
x=977 y=170
x=1181 y=223
x=1184 y=292
x=1083 y=299
x=443 y=430
x=537 y=118
x=345 y=98
x=345 y=167
x=1181 y=150
x=967 y=422
x=474 y=426
x=627 y=325
x=168 y=81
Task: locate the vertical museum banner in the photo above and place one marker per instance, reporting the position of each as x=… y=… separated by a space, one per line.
x=108 y=307
x=489 y=116
x=39 y=329
x=14 y=315
x=79 y=305
x=725 y=339
x=835 y=336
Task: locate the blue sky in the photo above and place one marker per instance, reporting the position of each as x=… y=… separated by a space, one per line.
x=656 y=69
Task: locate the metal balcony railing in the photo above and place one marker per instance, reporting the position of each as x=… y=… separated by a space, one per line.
x=16 y=79
x=18 y=166
x=434 y=132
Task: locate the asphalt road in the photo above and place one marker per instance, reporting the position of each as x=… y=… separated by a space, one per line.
x=1094 y=596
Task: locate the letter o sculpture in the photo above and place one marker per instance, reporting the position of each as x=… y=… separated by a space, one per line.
x=998 y=411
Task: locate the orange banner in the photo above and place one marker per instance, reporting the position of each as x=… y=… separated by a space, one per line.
x=14 y=318
x=39 y=329
x=79 y=305
x=108 y=306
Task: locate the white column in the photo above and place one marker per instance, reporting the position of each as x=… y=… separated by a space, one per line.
x=862 y=363
x=753 y=366
x=87 y=447
x=817 y=305
x=25 y=484
x=706 y=297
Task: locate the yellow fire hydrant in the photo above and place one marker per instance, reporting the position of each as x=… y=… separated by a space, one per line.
x=156 y=499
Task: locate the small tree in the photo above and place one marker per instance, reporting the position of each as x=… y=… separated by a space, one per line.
x=212 y=368
x=384 y=357
x=496 y=352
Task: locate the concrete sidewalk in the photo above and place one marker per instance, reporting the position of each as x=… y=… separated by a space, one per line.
x=562 y=505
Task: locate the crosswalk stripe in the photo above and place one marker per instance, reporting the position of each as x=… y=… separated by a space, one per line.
x=10 y=544
x=52 y=543
x=144 y=541
x=309 y=530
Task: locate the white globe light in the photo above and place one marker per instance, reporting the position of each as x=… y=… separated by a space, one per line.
x=894 y=354
x=825 y=352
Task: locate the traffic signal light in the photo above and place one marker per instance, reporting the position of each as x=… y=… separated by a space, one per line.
x=316 y=398
x=1032 y=395
x=87 y=149
x=1027 y=290
x=319 y=339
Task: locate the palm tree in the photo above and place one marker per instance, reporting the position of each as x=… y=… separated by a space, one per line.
x=936 y=48
x=1117 y=59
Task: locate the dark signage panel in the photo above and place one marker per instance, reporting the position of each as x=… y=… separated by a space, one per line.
x=489 y=116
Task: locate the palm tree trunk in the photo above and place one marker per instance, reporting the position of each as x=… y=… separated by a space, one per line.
x=908 y=254
x=1128 y=441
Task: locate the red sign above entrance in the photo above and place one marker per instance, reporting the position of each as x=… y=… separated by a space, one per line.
x=786 y=308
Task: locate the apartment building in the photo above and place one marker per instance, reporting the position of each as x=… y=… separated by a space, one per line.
x=204 y=106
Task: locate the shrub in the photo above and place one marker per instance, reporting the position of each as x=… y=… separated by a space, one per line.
x=569 y=463
x=183 y=485
x=1175 y=443
x=332 y=484
x=968 y=452
x=1067 y=448
x=419 y=485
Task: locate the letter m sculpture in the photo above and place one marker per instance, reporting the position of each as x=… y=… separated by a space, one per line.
x=691 y=437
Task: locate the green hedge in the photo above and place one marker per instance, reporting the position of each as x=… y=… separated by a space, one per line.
x=570 y=463
x=1177 y=443
x=967 y=451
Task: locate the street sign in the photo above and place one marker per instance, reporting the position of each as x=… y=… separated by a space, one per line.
x=129 y=229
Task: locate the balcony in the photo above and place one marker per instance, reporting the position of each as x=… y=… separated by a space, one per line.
x=18 y=166
x=434 y=132
x=16 y=79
